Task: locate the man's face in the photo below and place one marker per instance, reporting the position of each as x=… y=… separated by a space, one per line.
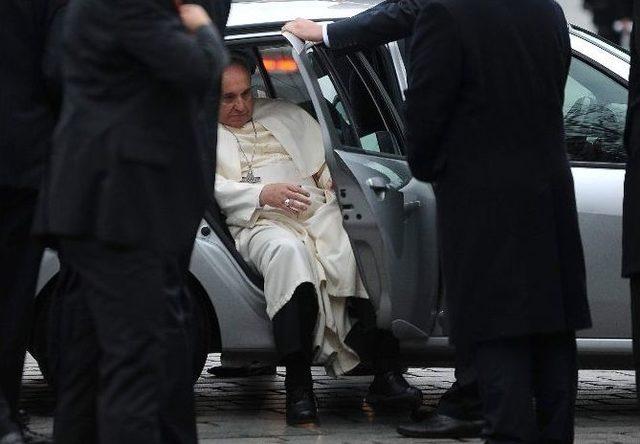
x=236 y=106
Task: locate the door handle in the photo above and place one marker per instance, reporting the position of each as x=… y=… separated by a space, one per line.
x=378 y=184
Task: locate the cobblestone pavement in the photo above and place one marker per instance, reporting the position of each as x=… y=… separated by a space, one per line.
x=251 y=410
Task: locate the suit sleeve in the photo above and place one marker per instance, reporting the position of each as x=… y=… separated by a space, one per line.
x=157 y=38
x=434 y=81
x=625 y=9
x=218 y=10
x=384 y=23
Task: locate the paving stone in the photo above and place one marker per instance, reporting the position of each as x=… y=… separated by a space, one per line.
x=251 y=410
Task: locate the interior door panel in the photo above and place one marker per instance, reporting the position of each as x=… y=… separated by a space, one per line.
x=390 y=218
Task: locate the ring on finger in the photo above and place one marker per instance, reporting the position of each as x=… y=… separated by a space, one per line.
x=287 y=202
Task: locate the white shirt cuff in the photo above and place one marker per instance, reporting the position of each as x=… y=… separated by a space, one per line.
x=325 y=36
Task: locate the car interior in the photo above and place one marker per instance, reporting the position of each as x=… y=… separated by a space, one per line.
x=595 y=109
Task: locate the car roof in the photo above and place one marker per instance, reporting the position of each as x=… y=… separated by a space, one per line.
x=253 y=13
x=265 y=17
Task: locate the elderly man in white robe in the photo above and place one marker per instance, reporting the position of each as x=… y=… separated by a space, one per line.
x=275 y=190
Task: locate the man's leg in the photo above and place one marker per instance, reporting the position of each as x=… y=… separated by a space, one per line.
x=505 y=378
x=380 y=350
x=20 y=258
x=555 y=385
x=635 y=327
x=459 y=411
x=77 y=358
x=462 y=399
x=293 y=328
x=136 y=304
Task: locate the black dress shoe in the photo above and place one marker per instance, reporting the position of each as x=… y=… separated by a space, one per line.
x=301 y=406
x=442 y=426
x=392 y=388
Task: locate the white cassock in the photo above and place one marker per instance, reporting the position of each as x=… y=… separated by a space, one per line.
x=289 y=250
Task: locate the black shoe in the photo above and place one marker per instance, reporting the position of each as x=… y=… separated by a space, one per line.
x=442 y=426
x=301 y=406
x=392 y=388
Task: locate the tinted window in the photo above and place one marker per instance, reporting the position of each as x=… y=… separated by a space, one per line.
x=595 y=108
x=356 y=116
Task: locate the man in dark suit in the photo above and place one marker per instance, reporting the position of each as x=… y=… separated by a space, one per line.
x=459 y=411
x=125 y=195
x=608 y=13
x=485 y=123
x=631 y=207
x=29 y=102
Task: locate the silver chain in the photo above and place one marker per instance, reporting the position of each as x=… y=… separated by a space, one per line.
x=255 y=143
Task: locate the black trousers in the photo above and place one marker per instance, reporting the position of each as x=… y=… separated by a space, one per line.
x=19 y=263
x=515 y=372
x=125 y=361
x=635 y=326
x=294 y=324
x=462 y=399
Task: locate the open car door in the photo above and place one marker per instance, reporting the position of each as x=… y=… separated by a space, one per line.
x=389 y=216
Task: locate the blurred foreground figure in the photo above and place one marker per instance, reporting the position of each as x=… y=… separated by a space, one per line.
x=490 y=135
x=631 y=208
x=610 y=17
x=123 y=201
x=29 y=103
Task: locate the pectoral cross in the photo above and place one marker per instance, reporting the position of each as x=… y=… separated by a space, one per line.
x=250 y=177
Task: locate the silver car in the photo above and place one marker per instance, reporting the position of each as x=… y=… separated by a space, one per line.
x=389 y=216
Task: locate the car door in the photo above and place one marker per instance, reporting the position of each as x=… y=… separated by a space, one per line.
x=595 y=109
x=389 y=216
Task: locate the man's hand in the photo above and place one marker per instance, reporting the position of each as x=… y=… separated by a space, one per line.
x=193 y=17
x=290 y=198
x=304 y=29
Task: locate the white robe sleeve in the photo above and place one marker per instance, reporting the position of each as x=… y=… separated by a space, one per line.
x=239 y=201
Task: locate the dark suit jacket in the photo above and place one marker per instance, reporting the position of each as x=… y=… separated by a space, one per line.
x=127 y=158
x=631 y=206
x=386 y=22
x=218 y=10
x=29 y=87
x=484 y=113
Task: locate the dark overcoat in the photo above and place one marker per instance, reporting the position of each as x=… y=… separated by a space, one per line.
x=29 y=88
x=631 y=206
x=128 y=151
x=484 y=112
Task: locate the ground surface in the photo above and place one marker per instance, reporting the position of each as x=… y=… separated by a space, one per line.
x=251 y=410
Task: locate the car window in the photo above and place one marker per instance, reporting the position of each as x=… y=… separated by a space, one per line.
x=356 y=116
x=382 y=63
x=594 y=109
x=282 y=71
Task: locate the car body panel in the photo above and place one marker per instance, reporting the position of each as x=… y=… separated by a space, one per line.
x=244 y=14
